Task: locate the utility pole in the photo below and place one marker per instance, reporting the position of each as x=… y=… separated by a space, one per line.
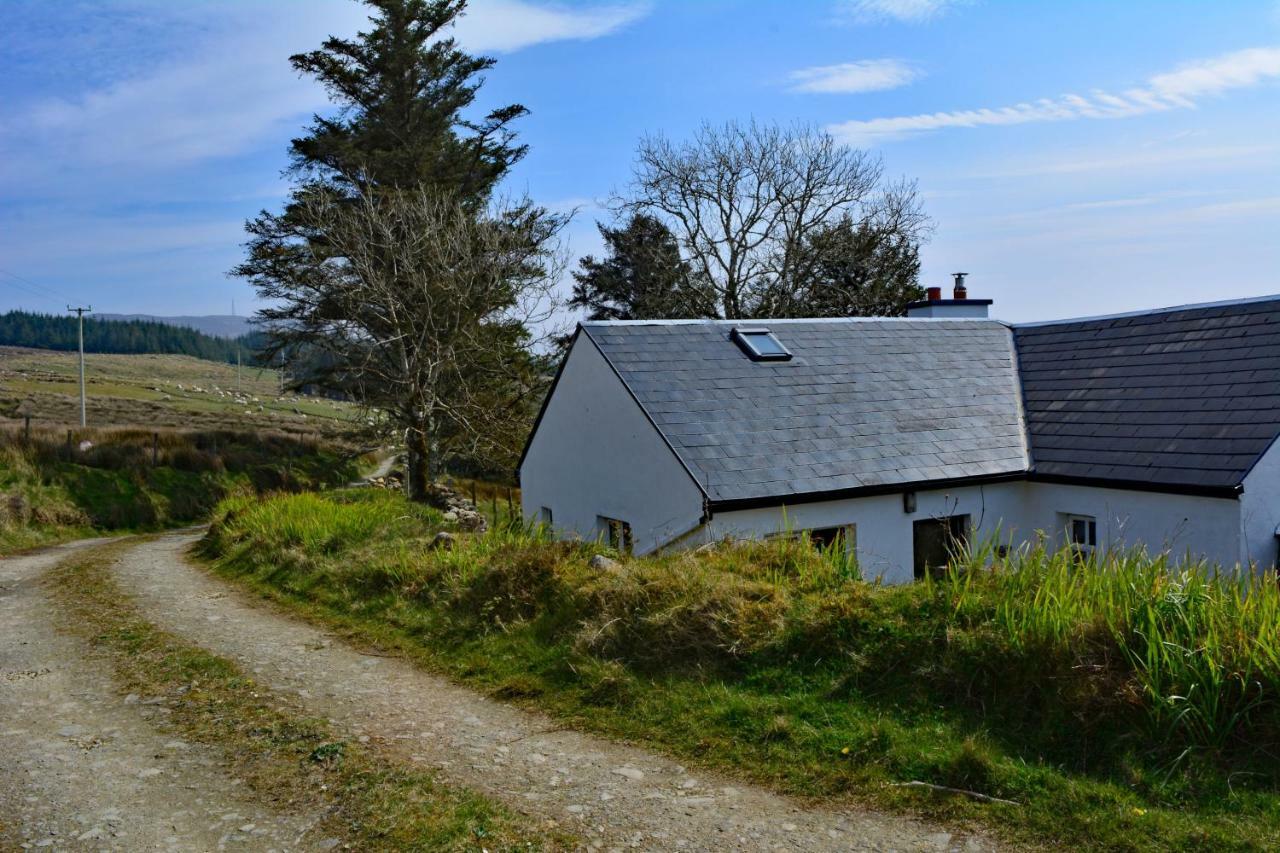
x=80 y=316
x=233 y=313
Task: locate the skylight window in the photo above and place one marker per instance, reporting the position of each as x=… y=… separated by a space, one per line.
x=760 y=345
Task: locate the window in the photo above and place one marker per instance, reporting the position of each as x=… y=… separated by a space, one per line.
x=617 y=533
x=760 y=345
x=544 y=515
x=1082 y=533
x=827 y=537
x=937 y=541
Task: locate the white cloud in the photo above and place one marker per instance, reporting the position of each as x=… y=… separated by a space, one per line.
x=1181 y=88
x=234 y=89
x=509 y=25
x=907 y=11
x=1205 y=157
x=868 y=75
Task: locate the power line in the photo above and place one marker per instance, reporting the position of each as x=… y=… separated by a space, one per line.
x=32 y=287
x=30 y=291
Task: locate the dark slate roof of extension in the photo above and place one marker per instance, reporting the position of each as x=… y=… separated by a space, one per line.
x=1183 y=399
x=865 y=404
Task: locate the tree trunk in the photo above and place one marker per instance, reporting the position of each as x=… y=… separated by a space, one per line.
x=418 y=466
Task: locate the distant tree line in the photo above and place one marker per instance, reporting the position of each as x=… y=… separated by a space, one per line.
x=128 y=337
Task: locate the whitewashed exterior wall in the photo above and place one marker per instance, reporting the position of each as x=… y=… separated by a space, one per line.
x=884 y=534
x=595 y=453
x=1014 y=513
x=1260 y=512
x=1182 y=525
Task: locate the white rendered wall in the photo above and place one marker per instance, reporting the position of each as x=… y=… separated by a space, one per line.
x=595 y=453
x=1182 y=525
x=1260 y=512
x=1015 y=513
x=885 y=536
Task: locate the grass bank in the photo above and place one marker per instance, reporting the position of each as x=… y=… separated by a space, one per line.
x=293 y=761
x=1123 y=706
x=53 y=489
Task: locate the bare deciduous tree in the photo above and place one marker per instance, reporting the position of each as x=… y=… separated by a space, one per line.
x=744 y=200
x=419 y=308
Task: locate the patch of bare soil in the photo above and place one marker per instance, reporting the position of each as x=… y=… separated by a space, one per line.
x=611 y=795
x=83 y=768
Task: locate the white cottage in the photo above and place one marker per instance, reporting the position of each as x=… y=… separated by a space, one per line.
x=899 y=436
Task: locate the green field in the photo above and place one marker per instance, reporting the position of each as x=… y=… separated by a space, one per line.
x=171 y=391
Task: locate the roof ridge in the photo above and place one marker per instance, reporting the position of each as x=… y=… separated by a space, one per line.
x=1146 y=312
x=760 y=320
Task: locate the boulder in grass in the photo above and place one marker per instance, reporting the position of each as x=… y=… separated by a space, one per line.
x=601 y=563
x=443 y=541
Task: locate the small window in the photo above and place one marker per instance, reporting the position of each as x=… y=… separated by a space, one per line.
x=617 y=533
x=545 y=515
x=825 y=538
x=1082 y=533
x=760 y=345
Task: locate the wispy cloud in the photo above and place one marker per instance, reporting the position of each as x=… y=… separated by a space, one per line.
x=868 y=75
x=906 y=11
x=1204 y=157
x=509 y=25
x=233 y=89
x=1182 y=88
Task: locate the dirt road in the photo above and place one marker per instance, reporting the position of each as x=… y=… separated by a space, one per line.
x=611 y=795
x=82 y=767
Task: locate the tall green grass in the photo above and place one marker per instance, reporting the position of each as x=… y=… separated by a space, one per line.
x=1127 y=702
x=1201 y=645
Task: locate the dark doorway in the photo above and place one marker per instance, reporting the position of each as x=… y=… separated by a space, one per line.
x=937 y=540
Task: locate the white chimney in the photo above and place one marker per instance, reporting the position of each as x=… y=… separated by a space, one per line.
x=959 y=306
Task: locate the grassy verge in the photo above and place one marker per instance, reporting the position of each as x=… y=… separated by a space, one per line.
x=138 y=480
x=293 y=761
x=1123 y=706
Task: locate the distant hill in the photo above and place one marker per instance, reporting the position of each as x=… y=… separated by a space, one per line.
x=214 y=325
x=129 y=337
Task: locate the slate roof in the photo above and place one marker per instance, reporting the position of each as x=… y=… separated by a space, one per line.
x=864 y=403
x=1184 y=397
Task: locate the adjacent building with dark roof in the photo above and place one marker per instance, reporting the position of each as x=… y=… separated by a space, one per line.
x=899 y=437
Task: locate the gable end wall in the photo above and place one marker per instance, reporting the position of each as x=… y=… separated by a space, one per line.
x=595 y=453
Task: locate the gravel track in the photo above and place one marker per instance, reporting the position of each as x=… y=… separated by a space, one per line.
x=608 y=794
x=83 y=768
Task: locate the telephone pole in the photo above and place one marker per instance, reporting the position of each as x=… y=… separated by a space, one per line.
x=80 y=315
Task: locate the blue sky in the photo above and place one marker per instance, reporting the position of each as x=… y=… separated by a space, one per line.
x=1078 y=158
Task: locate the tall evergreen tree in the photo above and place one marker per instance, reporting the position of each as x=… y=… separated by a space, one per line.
x=401 y=134
x=642 y=276
x=402 y=89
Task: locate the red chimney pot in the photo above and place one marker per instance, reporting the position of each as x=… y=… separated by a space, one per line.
x=933 y=294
